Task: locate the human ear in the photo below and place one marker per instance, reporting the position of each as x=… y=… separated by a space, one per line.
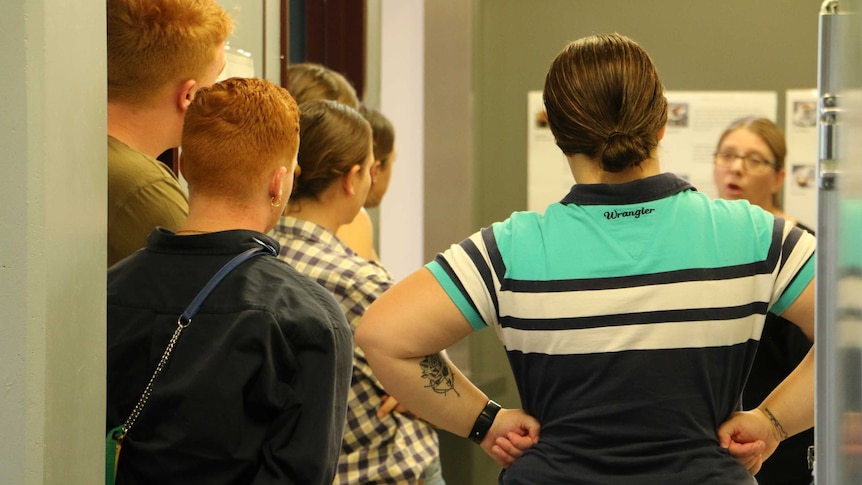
x=185 y=94
x=779 y=180
x=276 y=189
x=376 y=167
x=660 y=134
x=349 y=179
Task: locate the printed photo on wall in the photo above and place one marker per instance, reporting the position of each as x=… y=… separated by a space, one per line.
x=803 y=176
x=542 y=119
x=677 y=114
x=804 y=113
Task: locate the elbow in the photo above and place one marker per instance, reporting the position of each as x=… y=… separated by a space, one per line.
x=363 y=336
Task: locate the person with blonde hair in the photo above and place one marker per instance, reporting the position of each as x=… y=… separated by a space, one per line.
x=759 y=147
x=383 y=442
x=160 y=53
x=254 y=389
x=308 y=81
x=749 y=165
x=630 y=310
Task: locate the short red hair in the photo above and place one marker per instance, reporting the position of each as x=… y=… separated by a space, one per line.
x=235 y=133
x=153 y=44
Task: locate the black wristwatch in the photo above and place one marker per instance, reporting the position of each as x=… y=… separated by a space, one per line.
x=484 y=421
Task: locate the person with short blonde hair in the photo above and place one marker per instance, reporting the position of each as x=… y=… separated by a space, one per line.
x=255 y=389
x=160 y=53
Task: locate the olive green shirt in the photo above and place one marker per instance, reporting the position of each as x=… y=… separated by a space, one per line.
x=142 y=193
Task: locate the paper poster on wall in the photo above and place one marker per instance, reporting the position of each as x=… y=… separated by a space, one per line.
x=548 y=176
x=800 y=165
x=696 y=120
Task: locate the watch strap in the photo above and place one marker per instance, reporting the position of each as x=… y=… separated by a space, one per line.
x=484 y=421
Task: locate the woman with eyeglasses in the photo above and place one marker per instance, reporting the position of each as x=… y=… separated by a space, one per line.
x=749 y=165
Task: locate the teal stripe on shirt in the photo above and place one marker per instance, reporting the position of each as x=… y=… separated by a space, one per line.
x=455 y=294
x=792 y=292
x=662 y=237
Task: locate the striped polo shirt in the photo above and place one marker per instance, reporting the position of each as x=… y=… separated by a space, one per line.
x=630 y=314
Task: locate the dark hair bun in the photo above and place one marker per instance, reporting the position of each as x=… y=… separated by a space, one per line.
x=620 y=151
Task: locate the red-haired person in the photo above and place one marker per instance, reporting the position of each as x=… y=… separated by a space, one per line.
x=160 y=53
x=255 y=389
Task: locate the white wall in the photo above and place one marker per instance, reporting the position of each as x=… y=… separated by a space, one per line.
x=52 y=242
x=401 y=99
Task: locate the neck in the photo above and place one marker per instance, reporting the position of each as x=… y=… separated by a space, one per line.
x=316 y=211
x=208 y=214
x=332 y=209
x=147 y=129
x=588 y=171
x=772 y=209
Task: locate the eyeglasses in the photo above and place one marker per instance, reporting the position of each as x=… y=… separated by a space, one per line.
x=751 y=162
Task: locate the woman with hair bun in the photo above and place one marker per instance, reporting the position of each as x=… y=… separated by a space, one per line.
x=630 y=311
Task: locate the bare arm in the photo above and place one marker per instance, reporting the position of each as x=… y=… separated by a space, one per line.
x=403 y=333
x=789 y=409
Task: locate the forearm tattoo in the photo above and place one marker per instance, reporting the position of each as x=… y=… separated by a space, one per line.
x=439 y=375
x=775 y=423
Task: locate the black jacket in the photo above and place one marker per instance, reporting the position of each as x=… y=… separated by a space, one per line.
x=255 y=391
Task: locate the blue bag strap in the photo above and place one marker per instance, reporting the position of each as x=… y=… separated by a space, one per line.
x=184 y=320
x=195 y=305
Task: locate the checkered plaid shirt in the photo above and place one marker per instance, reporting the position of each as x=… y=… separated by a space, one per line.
x=396 y=448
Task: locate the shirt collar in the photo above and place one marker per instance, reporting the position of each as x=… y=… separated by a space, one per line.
x=313 y=233
x=221 y=242
x=636 y=192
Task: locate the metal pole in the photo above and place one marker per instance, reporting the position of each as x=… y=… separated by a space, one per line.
x=827 y=432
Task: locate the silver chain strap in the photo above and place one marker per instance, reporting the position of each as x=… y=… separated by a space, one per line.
x=149 y=389
x=185 y=319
